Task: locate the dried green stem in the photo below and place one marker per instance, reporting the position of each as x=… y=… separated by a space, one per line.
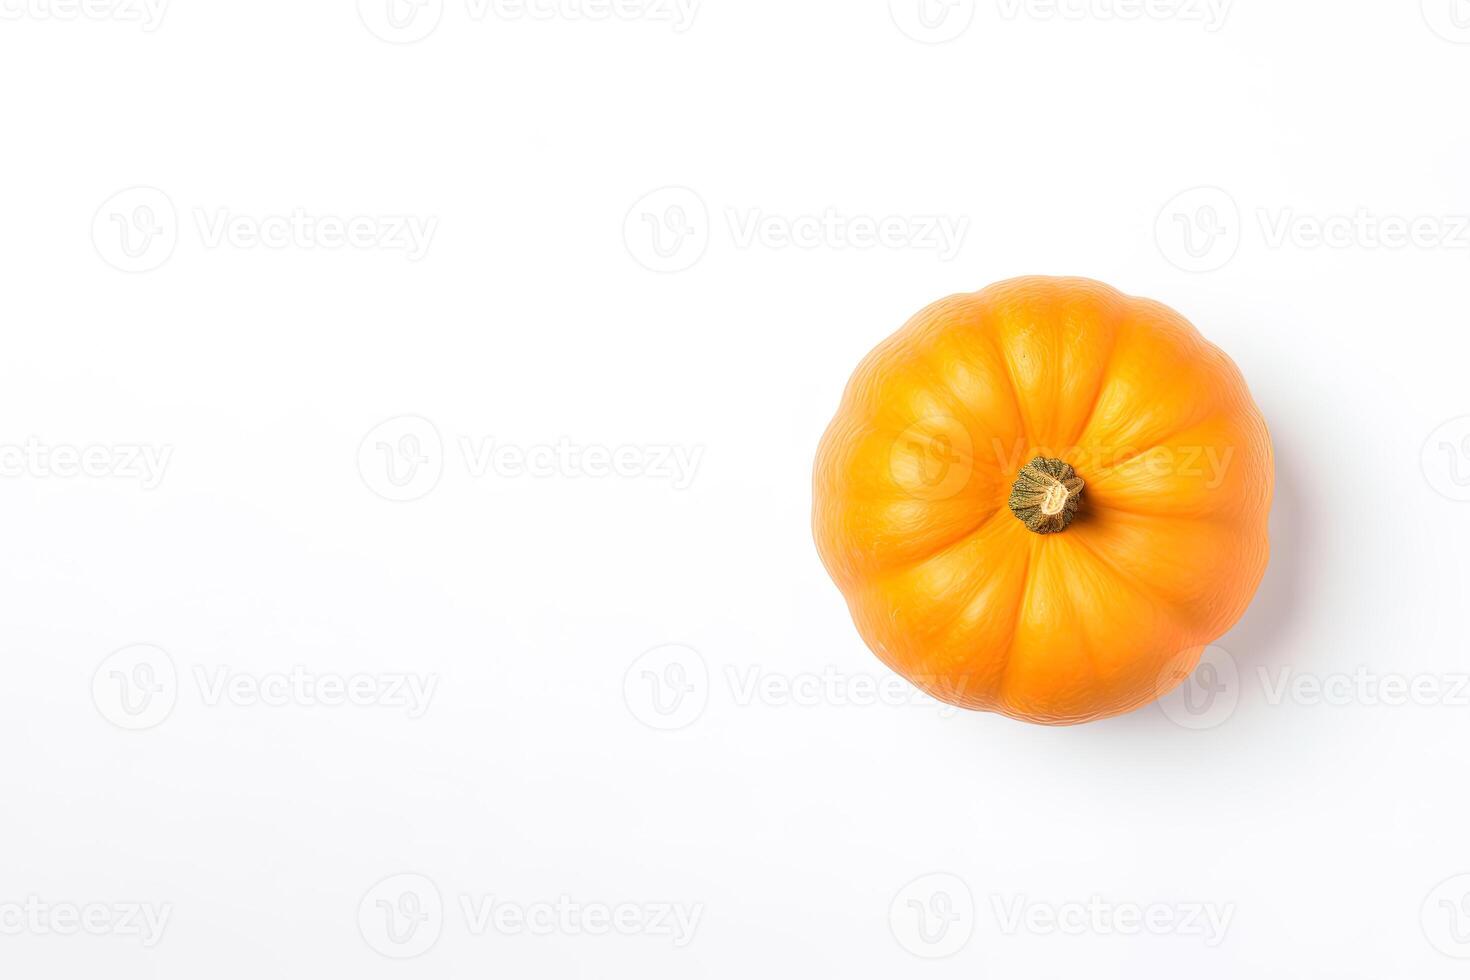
x=1046 y=495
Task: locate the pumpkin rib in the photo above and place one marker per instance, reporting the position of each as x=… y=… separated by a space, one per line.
x=1081 y=639
x=1194 y=423
x=975 y=423
x=1006 y=658
x=1010 y=373
x=1213 y=518
x=977 y=586
x=928 y=354
x=1213 y=376
x=1102 y=380
x=942 y=550
x=1183 y=618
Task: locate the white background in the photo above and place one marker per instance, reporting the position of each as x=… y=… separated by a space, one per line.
x=826 y=830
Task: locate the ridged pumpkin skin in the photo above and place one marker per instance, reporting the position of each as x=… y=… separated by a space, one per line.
x=953 y=591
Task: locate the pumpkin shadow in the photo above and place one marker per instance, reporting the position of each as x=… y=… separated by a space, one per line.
x=1261 y=635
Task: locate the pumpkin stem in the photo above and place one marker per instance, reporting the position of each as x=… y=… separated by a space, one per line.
x=1045 y=495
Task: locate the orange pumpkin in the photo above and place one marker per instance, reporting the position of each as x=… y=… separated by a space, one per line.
x=1045 y=499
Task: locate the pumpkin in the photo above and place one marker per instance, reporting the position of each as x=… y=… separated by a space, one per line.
x=1044 y=499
